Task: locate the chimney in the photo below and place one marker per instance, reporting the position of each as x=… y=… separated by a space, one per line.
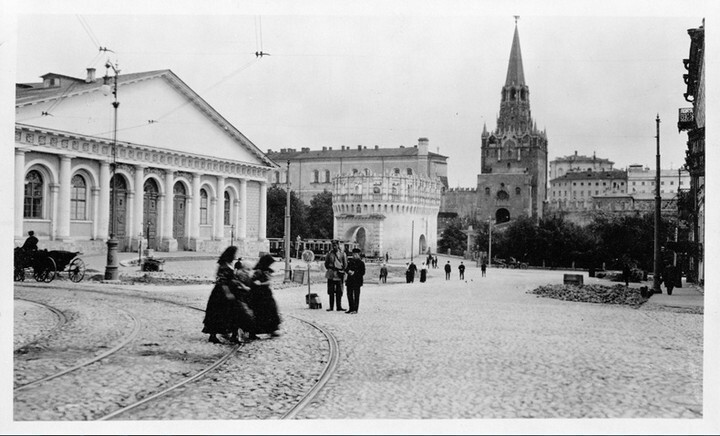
x=324 y=148
x=377 y=147
x=359 y=147
x=90 y=75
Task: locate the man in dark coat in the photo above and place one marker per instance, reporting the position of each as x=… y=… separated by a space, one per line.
x=461 y=268
x=354 y=281
x=335 y=264
x=448 y=269
x=412 y=269
x=31 y=243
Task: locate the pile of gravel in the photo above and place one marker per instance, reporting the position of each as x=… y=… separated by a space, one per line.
x=617 y=294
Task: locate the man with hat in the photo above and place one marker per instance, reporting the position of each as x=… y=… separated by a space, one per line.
x=335 y=263
x=355 y=273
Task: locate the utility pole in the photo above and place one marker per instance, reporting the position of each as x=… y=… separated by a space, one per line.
x=489 y=242
x=657 y=263
x=287 y=225
x=412 y=239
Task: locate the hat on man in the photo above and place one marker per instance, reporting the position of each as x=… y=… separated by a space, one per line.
x=356 y=250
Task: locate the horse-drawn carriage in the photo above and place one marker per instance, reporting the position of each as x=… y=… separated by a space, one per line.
x=46 y=264
x=510 y=263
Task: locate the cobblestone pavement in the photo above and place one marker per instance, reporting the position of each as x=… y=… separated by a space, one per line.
x=479 y=348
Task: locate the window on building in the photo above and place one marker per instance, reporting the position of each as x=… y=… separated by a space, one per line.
x=396 y=171
x=633 y=183
x=366 y=171
x=355 y=171
x=502 y=195
x=672 y=182
x=582 y=183
x=574 y=183
x=316 y=176
x=204 y=206
x=409 y=171
x=487 y=191
x=642 y=183
x=226 y=209
x=517 y=191
x=33 y=195
x=662 y=183
x=327 y=176
x=582 y=193
x=277 y=176
x=78 y=198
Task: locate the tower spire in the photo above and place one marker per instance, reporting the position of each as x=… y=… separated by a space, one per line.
x=515 y=74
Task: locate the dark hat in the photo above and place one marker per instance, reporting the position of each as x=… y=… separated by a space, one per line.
x=356 y=250
x=264 y=263
x=31 y=232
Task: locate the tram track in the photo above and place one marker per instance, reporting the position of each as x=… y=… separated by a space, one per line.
x=61 y=320
x=291 y=413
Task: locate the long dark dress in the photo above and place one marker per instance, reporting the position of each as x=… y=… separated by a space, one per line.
x=262 y=303
x=223 y=315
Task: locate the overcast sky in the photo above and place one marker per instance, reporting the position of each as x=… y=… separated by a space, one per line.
x=389 y=75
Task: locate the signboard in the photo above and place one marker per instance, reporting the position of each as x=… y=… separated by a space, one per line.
x=308 y=256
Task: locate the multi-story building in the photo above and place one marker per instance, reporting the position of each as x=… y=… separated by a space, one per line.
x=692 y=120
x=172 y=174
x=577 y=192
x=574 y=162
x=312 y=171
x=641 y=180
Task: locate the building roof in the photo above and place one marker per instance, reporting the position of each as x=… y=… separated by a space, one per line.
x=581 y=158
x=591 y=175
x=515 y=74
x=27 y=94
x=347 y=152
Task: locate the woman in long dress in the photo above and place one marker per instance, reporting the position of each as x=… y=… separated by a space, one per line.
x=423 y=273
x=223 y=314
x=262 y=303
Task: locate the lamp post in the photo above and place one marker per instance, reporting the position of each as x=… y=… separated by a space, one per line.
x=111 y=268
x=287 y=226
x=656 y=238
x=490 y=242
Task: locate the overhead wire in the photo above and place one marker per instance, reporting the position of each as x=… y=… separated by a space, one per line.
x=88 y=30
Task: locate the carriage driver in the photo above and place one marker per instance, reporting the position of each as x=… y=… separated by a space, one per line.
x=31 y=243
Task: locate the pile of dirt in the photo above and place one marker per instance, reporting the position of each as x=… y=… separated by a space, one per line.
x=617 y=294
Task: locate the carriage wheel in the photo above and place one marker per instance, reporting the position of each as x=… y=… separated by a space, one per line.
x=45 y=270
x=76 y=270
x=19 y=274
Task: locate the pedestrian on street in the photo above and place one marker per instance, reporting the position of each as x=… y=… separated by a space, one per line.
x=355 y=273
x=262 y=302
x=423 y=272
x=335 y=264
x=223 y=313
x=626 y=273
x=448 y=269
x=412 y=269
x=668 y=277
x=461 y=269
x=407 y=272
x=483 y=268
x=383 y=273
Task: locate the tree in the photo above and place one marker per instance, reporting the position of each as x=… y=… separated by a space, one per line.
x=319 y=217
x=276 y=201
x=452 y=237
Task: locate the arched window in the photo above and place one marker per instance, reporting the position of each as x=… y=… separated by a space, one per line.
x=502 y=195
x=327 y=176
x=366 y=171
x=277 y=176
x=316 y=176
x=487 y=191
x=204 y=206
x=517 y=191
x=226 y=211
x=409 y=172
x=396 y=171
x=78 y=198
x=354 y=171
x=33 y=195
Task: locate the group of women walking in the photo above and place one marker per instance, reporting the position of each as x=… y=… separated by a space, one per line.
x=241 y=299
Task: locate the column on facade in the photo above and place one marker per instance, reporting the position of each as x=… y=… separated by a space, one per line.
x=167 y=212
x=137 y=225
x=19 y=193
x=262 y=225
x=103 y=210
x=194 y=207
x=242 y=216
x=54 y=190
x=63 y=216
x=95 y=198
x=219 y=228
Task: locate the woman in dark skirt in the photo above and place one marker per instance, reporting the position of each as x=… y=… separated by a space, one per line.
x=224 y=313
x=262 y=303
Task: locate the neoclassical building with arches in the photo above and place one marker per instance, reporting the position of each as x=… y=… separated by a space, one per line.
x=387 y=213
x=181 y=177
